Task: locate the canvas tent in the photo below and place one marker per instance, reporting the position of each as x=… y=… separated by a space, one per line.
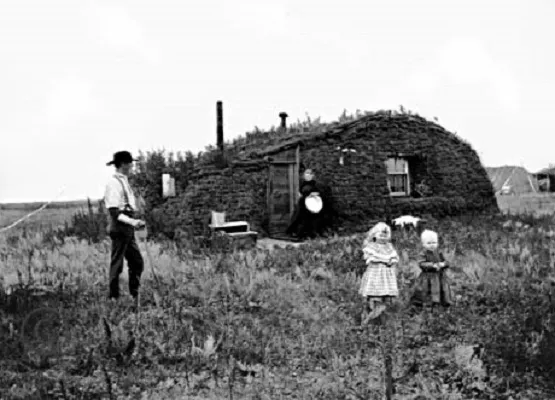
x=545 y=179
x=512 y=180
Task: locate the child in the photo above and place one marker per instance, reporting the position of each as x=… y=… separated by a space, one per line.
x=432 y=287
x=379 y=282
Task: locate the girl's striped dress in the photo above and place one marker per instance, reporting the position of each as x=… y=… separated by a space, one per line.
x=380 y=279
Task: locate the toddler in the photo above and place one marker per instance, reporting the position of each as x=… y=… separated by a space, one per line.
x=432 y=287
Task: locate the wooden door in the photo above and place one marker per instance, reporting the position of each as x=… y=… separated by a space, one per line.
x=283 y=186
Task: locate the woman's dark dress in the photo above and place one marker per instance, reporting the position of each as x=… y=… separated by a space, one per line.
x=303 y=222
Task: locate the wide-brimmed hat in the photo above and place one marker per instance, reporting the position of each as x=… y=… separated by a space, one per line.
x=122 y=157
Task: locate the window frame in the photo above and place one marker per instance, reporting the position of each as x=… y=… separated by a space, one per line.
x=406 y=173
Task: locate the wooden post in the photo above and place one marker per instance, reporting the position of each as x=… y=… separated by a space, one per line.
x=296 y=179
x=386 y=341
x=292 y=192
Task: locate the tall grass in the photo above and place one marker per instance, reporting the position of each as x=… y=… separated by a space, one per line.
x=53 y=216
x=539 y=204
x=278 y=324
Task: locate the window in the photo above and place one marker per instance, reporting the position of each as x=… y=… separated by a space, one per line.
x=344 y=153
x=398 y=179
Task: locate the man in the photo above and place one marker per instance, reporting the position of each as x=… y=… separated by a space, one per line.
x=121 y=204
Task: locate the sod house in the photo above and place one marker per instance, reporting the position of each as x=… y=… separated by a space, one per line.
x=373 y=165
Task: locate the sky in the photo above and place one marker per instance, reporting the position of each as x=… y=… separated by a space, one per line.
x=81 y=79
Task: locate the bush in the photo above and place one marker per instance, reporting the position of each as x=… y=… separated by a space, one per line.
x=90 y=225
x=149 y=169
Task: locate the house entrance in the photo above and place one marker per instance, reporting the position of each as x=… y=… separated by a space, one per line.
x=283 y=186
x=282 y=193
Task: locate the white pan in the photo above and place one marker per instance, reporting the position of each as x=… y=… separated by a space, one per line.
x=314 y=203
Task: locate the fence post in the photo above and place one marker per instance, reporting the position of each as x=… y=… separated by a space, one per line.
x=385 y=339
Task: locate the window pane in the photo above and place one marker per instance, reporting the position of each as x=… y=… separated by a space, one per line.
x=398 y=183
x=396 y=166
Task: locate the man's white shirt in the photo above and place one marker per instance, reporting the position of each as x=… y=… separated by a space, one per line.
x=114 y=195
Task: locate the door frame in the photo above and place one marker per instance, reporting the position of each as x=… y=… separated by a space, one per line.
x=293 y=177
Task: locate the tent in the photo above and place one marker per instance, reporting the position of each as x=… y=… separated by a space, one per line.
x=546 y=179
x=512 y=180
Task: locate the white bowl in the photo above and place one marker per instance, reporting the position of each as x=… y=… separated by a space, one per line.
x=314 y=204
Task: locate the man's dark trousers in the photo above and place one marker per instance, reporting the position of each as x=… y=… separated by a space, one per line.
x=124 y=246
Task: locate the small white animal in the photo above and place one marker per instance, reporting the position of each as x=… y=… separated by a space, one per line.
x=407 y=220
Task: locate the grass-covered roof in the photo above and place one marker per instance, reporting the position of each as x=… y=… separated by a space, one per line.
x=261 y=143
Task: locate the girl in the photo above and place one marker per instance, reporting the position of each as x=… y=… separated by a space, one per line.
x=432 y=287
x=379 y=282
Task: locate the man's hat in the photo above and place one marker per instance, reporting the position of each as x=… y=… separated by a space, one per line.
x=122 y=157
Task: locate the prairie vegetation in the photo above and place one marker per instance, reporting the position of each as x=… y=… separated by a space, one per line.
x=53 y=216
x=278 y=324
x=268 y=324
x=538 y=204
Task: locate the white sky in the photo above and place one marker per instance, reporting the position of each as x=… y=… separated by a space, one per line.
x=82 y=79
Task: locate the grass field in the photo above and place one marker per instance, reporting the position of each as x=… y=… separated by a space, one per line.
x=279 y=324
x=539 y=204
x=54 y=215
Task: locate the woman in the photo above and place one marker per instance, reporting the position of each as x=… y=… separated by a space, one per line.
x=305 y=223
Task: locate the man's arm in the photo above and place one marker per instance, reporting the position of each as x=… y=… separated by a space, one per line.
x=112 y=196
